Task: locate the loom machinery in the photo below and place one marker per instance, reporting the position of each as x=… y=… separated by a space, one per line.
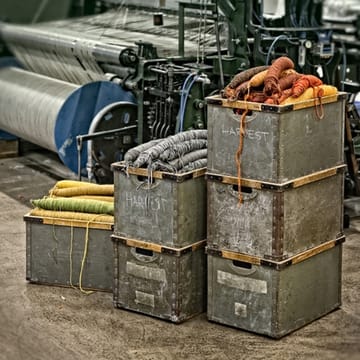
x=89 y=88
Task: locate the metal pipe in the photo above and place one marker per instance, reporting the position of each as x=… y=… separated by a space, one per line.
x=181 y=29
x=218 y=47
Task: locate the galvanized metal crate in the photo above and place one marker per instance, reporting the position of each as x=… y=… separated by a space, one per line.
x=281 y=143
x=56 y=248
x=272 y=298
x=275 y=221
x=161 y=208
x=163 y=282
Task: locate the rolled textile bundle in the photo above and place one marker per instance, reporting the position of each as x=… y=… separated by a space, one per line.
x=76 y=205
x=70 y=215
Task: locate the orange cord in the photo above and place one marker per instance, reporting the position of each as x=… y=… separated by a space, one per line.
x=319 y=109
x=239 y=152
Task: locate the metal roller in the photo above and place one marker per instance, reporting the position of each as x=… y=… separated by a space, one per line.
x=68 y=56
x=50 y=112
x=30 y=104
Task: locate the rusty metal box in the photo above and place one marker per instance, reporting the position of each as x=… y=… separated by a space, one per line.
x=274 y=298
x=161 y=208
x=275 y=221
x=65 y=252
x=163 y=282
x=281 y=143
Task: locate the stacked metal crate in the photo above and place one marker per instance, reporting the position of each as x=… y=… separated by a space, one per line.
x=159 y=242
x=274 y=260
x=69 y=252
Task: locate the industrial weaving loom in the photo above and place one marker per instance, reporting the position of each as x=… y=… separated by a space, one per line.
x=83 y=77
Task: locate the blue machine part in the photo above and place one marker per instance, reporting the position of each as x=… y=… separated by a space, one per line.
x=7 y=136
x=357 y=106
x=357 y=103
x=76 y=114
x=9 y=61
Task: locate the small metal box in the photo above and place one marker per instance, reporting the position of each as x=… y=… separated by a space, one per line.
x=275 y=221
x=163 y=282
x=161 y=208
x=56 y=248
x=274 y=298
x=281 y=143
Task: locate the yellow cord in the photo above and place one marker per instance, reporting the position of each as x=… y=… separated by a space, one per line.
x=84 y=259
x=87 y=292
x=55 y=249
x=71 y=252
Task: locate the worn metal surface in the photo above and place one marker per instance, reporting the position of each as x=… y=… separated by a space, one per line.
x=277 y=147
x=162 y=285
x=274 y=302
x=53 y=250
x=275 y=224
x=163 y=211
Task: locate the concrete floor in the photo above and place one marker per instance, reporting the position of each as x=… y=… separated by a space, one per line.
x=45 y=322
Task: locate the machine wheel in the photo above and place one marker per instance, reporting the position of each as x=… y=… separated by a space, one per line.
x=111 y=148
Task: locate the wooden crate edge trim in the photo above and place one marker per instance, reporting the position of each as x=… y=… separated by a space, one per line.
x=178 y=177
x=317 y=176
x=256 y=184
x=68 y=222
x=276 y=265
x=317 y=250
x=158 y=248
x=241 y=104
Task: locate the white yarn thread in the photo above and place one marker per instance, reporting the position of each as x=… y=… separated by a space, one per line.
x=29 y=105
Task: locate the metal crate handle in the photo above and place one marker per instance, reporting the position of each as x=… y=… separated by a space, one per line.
x=248 y=193
x=251 y=116
x=145 y=182
x=242 y=268
x=144 y=255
